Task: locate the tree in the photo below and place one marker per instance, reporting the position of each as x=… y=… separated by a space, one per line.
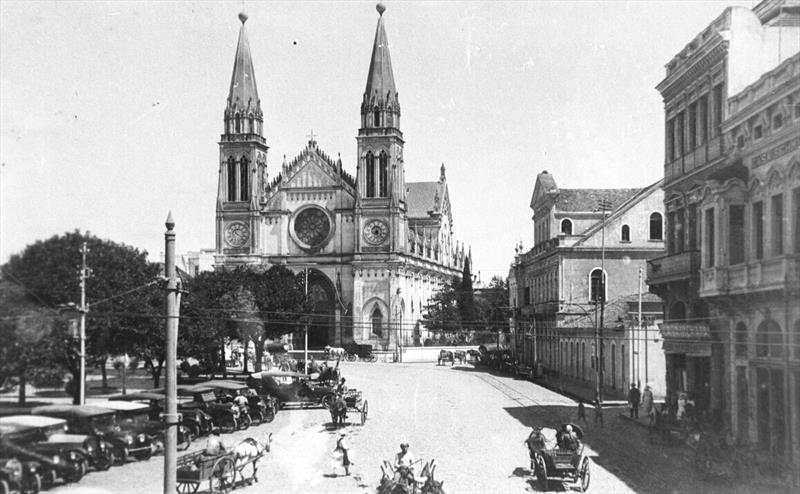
x=442 y=313
x=48 y=270
x=466 y=301
x=491 y=307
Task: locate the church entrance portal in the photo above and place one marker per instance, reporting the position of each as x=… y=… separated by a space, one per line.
x=322 y=298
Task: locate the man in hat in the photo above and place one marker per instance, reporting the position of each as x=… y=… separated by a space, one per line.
x=405 y=460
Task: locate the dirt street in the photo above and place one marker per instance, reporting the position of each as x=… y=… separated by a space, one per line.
x=471 y=422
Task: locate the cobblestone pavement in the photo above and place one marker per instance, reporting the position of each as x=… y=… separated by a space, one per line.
x=471 y=422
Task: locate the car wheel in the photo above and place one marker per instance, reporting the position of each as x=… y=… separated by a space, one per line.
x=244 y=422
x=32 y=484
x=104 y=462
x=269 y=415
x=75 y=470
x=326 y=400
x=143 y=455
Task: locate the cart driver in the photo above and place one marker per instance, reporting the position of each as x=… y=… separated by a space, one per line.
x=405 y=460
x=214 y=445
x=341 y=389
x=569 y=440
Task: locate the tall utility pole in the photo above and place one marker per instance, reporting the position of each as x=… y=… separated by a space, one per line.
x=305 y=336
x=171 y=417
x=85 y=273
x=639 y=333
x=605 y=205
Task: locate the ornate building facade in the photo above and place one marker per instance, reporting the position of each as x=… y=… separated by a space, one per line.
x=711 y=115
x=374 y=247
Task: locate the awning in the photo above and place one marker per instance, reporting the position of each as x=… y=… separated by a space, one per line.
x=689 y=338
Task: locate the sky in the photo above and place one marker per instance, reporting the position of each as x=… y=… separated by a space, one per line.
x=110 y=112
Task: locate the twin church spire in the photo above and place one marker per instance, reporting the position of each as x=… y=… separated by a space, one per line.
x=243 y=111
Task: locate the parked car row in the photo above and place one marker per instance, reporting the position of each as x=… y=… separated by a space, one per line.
x=61 y=443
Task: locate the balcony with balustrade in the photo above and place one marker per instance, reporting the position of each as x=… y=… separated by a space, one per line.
x=759 y=276
x=673 y=267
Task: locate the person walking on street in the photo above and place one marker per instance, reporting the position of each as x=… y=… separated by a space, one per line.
x=648 y=405
x=634 y=399
x=343 y=449
x=581 y=412
x=598 y=413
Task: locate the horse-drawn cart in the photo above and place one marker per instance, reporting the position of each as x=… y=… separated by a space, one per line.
x=351 y=400
x=561 y=457
x=196 y=468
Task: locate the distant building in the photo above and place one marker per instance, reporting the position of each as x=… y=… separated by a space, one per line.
x=556 y=286
x=196 y=262
x=375 y=248
x=727 y=185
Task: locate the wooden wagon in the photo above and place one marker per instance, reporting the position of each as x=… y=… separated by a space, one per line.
x=196 y=468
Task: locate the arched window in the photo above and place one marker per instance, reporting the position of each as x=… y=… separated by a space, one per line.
x=370 y=174
x=596 y=283
x=383 y=177
x=777 y=121
x=566 y=226
x=656 y=227
x=251 y=130
x=376 y=117
x=389 y=118
x=677 y=312
x=244 y=182
x=769 y=340
x=740 y=338
x=231 y=175
x=377 y=322
x=626 y=233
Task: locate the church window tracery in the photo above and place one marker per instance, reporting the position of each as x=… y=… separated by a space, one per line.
x=244 y=181
x=384 y=175
x=370 y=174
x=377 y=322
x=231 y=175
x=312 y=226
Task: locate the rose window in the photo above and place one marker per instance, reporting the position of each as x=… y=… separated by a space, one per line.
x=312 y=226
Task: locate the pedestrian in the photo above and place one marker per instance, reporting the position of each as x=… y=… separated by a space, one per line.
x=598 y=413
x=581 y=412
x=648 y=405
x=343 y=450
x=634 y=399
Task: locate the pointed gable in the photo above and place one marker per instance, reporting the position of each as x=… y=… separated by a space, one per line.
x=545 y=185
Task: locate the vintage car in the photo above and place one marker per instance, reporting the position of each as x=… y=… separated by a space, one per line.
x=135 y=417
x=223 y=415
x=17 y=476
x=198 y=422
x=101 y=422
x=42 y=440
x=258 y=408
x=555 y=455
x=291 y=388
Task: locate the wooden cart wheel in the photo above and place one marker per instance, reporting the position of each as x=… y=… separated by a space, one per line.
x=364 y=410
x=223 y=476
x=585 y=475
x=541 y=472
x=187 y=487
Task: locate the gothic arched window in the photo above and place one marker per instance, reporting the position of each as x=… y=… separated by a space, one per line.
x=377 y=322
x=238 y=123
x=656 y=227
x=231 y=176
x=384 y=175
x=370 y=165
x=626 y=233
x=566 y=226
x=597 y=282
x=244 y=182
x=389 y=119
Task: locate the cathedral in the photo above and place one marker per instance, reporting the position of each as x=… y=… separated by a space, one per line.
x=373 y=247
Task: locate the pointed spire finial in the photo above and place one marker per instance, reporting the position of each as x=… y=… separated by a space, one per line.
x=243 y=17
x=170 y=223
x=381 y=8
x=441 y=176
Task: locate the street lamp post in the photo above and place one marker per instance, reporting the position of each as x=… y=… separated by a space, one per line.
x=172 y=303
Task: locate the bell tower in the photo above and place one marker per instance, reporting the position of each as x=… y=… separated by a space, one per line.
x=243 y=162
x=380 y=202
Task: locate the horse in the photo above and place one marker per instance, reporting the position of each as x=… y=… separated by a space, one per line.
x=248 y=450
x=334 y=352
x=395 y=481
x=461 y=356
x=445 y=356
x=338 y=409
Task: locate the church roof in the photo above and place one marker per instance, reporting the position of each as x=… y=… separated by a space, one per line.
x=424 y=197
x=587 y=200
x=380 y=79
x=243 y=94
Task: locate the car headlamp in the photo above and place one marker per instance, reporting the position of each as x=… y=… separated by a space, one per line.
x=141 y=438
x=56 y=460
x=128 y=439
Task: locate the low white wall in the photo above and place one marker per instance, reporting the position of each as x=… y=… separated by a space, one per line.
x=428 y=353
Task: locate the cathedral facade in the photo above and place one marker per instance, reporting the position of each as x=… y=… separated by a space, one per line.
x=373 y=247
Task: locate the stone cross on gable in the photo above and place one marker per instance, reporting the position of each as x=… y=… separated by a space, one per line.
x=311 y=136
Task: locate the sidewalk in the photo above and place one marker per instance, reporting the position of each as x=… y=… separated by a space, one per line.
x=582 y=390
